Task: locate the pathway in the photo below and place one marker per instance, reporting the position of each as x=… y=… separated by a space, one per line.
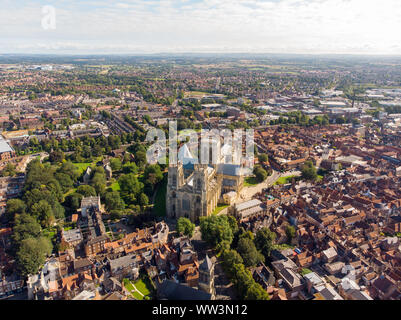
x=140 y=293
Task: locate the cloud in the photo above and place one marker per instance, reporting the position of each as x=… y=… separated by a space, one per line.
x=296 y=26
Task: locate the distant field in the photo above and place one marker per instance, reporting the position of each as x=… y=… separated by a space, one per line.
x=196 y=93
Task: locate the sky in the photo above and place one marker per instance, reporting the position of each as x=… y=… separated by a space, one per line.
x=200 y=26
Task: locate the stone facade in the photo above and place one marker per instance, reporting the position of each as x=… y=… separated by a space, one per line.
x=195 y=196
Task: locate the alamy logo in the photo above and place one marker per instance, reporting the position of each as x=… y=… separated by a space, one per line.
x=49 y=17
x=216 y=146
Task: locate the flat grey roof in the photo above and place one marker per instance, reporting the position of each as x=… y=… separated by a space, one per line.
x=248 y=204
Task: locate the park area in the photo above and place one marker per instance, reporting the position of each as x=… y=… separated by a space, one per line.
x=141 y=289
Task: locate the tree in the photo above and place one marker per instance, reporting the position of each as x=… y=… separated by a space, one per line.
x=70 y=170
x=264 y=241
x=9 y=170
x=153 y=173
x=130 y=168
x=230 y=259
x=185 y=227
x=256 y=292
x=140 y=158
x=58 y=211
x=35 y=195
x=263 y=157
x=98 y=182
x=116 y=214
x=86 y=191
x=242 y=279
x=290 y=232
x=115 y=164
x=247 y=249
x=130 y=186
x=73 y=201
x=216 y=229
x=113 y=201
x=233 y=224
x=43 y=212
x=13 y=207
x=143 y=200
x=309 y=171
x=260 y=173
x=56 y=156
x=25 y=226
x=64 y=180
x=32 y=255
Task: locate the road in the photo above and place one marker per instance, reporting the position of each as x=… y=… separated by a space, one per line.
x=27 y=159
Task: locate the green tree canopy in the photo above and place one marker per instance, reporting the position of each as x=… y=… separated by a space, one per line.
x=86 y=191
x=15 y=206
x=185 y=227
x=260 y=173
x=247 y=249
x=115 y=164
x=263 y=157
x=113 y=201
x=264 y=241
x=216 y=229
x=43 y=212
x=290 y=233
x=25 y=226
x=309 y=171
x=32 y=254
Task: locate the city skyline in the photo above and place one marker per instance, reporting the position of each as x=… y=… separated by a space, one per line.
x=202 y=26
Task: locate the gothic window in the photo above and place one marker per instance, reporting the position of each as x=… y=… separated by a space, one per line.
x=174 y=179
x=186 y=204
x=198 y=199
x=229 y=182
x=198 y=184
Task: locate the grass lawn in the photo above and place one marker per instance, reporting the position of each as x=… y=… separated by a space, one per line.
x=284 y=180
x=282 y=246
x=142 y=287
x=250 y=181
x=136 y=295
x=128 y=285
x=219 y=208
x=49 y=233
x=305 y=271
x=82 y=166
x=160 y=199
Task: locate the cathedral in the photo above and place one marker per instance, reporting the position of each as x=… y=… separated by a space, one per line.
x=194 y=190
